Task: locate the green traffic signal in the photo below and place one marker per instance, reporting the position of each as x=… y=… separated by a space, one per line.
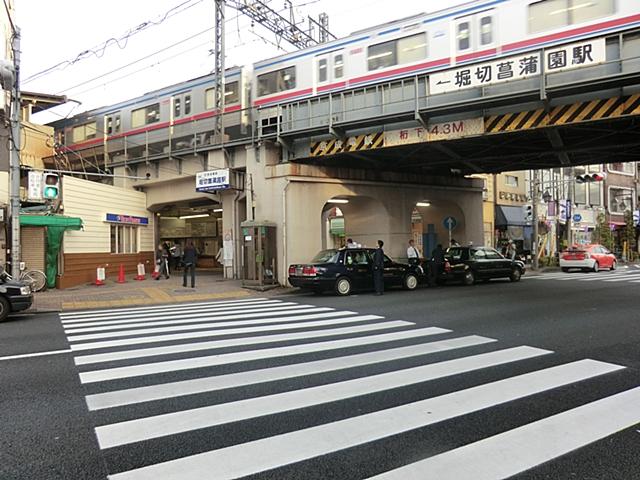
x=50 y=192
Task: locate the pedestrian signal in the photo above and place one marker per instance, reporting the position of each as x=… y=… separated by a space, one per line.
x=50 y=186
x=591 y=177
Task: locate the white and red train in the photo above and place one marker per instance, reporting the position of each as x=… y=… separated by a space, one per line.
x=476 y=31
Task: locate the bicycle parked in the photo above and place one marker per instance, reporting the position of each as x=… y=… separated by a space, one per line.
x=36 y=279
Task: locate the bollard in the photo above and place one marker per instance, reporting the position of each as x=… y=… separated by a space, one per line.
x=100 y=276
x=141 y=272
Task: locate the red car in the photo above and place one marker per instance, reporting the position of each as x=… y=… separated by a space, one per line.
x=587 y=257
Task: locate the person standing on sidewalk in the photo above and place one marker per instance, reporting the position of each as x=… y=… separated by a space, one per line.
x=162 y=259
x=413 y=255
x=378 y=268
x=189 y=258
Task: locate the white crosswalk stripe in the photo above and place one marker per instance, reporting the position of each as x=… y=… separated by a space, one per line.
x=604 y=277
x=143 y=369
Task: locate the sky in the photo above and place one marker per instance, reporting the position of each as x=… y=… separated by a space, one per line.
x=56 y=32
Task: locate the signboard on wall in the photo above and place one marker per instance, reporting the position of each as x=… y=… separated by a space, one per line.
x=34 y=192
x=126 y=219
x=212 y=180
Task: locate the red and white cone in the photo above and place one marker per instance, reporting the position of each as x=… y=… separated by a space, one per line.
x=141 y=272
x=100 y=276
x=121 y=278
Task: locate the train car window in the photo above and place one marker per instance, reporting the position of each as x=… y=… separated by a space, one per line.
x=145 y=116
x=552 y=14
x=338 y=66
x=412 y=49
x=486 y=30
x=208 y=98
x=322 y=70
x=278 y=81
x=463 y=36
x=187 y=104
x=84 y=132
x=231 y=93
x=117 y=124
x=176 y=107
x=382 y=55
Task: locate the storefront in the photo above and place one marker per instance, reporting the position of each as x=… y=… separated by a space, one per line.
x=203 y=226
x=510 y=224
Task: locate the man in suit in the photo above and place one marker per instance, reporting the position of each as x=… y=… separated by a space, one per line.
x=378 y=268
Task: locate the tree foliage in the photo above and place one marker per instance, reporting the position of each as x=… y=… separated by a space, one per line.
x=602 y=233
x=629 y=234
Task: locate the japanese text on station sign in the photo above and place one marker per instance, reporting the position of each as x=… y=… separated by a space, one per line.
x=212 y=180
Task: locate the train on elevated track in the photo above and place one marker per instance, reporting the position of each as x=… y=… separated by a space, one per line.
x=182 y=115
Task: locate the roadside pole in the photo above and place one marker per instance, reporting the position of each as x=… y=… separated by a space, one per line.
x=14 y=160
x=534 y=220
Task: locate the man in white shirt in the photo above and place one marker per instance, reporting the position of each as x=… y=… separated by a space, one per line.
x=412 y=253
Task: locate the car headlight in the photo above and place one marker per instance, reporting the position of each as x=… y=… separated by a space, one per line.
x=26 y=290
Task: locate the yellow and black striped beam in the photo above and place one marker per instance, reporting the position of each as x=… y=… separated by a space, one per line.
x=564 y=114
x=349 y=144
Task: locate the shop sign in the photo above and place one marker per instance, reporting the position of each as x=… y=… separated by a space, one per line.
x=34 y=192
x=212 y=180
x=127 y=219
x=514 y=197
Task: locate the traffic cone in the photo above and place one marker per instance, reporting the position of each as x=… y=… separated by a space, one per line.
x=100 y=276
x=121 y=278
x=141 y=272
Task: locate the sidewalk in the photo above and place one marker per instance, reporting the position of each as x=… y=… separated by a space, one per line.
x=209 y=286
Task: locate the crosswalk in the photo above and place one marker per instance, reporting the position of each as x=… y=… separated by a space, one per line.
x=157 y=377
x=618 y=276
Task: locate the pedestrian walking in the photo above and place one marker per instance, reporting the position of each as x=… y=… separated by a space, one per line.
x=162 y=260
x=511 y=250
x=189 y=259
x=378 y=268
x=176 y=255
x=413 y=255
x=437 y=264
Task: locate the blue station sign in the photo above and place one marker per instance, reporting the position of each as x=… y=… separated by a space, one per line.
x=127 y=219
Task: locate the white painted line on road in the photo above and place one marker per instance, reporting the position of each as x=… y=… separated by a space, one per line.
x=210 y=384
x=268 y=453
x=251 y=355
x=512 y=452
x=236 y=342
x=178 y=422
x=324 y=312
x=264 y=324
x=126 y=311
x=169 y=314
x=610 y=276
x=199 y=317
x=624 y=278
x=35 y=354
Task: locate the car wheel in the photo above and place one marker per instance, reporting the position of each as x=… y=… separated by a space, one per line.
x=469 y=278
x=5 y=309
x=410 y=282
x=565 y=269
x=515 y=275
x=614 y=265
x=596 y=267
x=343 y=286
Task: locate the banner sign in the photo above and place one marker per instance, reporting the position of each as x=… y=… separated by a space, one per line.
x=212 y=180
x=34 y=192
x=127 y=219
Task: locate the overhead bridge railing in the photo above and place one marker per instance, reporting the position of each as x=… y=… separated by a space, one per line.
x=409 y=99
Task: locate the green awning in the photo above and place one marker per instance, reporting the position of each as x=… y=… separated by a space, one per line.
x=56 y=226
x=70 y=223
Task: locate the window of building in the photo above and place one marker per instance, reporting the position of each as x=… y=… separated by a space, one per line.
x=595 y=193
x=553 y=14
x=627 y=168
x=338 y=66
x=511 y=181
x=620 y=200
x=580 y=194
x=84 y=132
x=145 y=115
x=463 y=36
x=397 y=52
x=278 y=81
x=187 y=104
x=322 y=70
x=124 y=238
x=486 y=30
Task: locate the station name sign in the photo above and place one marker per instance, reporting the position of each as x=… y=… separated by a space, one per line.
x=566 y=57
x=212 y=180
x=127 y=219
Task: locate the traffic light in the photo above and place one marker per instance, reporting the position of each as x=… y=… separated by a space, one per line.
x=50 y=186
x=591 y=177
x=527 y=211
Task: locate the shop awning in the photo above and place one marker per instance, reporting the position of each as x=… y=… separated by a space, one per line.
x=508 y=216
x=70 y=223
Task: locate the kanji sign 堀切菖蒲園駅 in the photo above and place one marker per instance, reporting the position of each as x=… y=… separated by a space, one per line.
x=212 y=180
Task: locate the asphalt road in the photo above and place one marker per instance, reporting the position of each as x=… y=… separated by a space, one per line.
x=497 y=380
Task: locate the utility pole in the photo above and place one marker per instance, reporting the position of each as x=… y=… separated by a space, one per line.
x=534 y=220
x=14 y=159
x=218 y=91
